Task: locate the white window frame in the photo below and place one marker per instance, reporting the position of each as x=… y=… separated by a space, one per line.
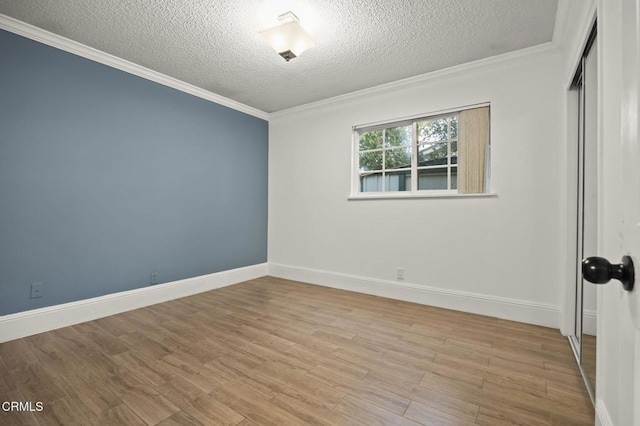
x=414 y=192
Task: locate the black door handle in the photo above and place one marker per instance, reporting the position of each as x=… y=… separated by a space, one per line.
x=598 y=270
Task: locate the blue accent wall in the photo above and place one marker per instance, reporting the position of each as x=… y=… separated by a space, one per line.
x=106 y=177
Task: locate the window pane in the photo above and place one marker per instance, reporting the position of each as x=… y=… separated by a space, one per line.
x=454 y=127
x=432 y=130
x=371 y=182
x=398 y=158
x=454 y=178
x=432 y=154
x=398 y=181
x=370 y=140
x=370 y=161
x=432 y=178
x=390 y=155
x=397 y=136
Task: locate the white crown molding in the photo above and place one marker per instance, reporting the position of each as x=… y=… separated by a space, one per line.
x=544 y=49
x=22 y=324
x=38 y=34
x=493 y=306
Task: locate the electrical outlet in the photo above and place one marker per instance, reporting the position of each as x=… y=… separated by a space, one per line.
x=400 y=273
x=154 y=278
x=36 y=290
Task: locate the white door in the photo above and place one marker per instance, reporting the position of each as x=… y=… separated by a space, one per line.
x=618 y=369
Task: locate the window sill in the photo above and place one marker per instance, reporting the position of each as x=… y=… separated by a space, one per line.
x=396 y=196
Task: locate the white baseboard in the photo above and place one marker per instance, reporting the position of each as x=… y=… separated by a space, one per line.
x=22 y=324
x=589 y=319
x=499 y=307
x=602 y=414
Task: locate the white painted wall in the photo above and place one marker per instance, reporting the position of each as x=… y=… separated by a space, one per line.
x=573 y=23
x=506 y=248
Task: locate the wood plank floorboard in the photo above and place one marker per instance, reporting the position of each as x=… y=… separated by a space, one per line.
x=277 y=352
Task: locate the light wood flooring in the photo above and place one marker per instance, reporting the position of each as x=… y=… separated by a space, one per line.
x=277 y=352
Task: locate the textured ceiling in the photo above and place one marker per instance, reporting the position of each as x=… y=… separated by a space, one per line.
x=215 y=45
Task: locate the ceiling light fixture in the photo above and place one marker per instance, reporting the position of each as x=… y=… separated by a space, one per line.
x=288 y=38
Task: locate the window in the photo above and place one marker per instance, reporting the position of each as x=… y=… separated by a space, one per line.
x=445 y=153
